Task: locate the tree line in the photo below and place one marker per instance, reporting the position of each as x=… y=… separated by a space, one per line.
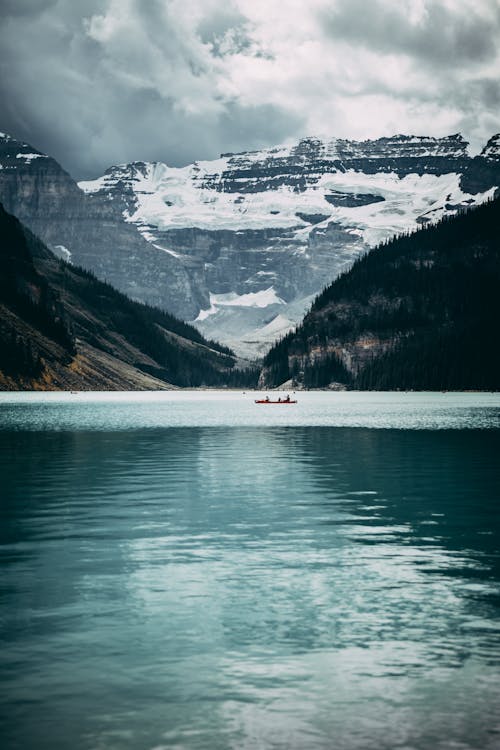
x=430 y=297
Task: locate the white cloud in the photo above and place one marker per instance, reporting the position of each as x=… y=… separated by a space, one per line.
x=104 y=81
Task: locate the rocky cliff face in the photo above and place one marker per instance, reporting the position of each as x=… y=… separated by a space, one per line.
x=90 y=231
x=241 y=244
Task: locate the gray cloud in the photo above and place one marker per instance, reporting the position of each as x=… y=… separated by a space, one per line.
x=487 y=93
x=440 y=34
x=30 y=8
x=106 y=81
x=95 y=93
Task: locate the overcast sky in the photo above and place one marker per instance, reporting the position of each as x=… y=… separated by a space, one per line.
x=98 y=82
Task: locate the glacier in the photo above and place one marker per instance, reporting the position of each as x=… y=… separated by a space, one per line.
x=314 y=206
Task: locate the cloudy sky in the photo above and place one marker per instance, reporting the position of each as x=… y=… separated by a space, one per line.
x=98 y=82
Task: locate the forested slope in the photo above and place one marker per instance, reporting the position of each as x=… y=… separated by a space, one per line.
x=62 y=328
x=418 y=312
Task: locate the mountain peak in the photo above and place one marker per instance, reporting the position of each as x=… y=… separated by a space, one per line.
x=492 y=148
x=14 y=153
x=219 y=236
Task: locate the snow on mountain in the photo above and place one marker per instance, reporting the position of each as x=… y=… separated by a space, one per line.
x=492 y=149
x=240 y=245
x=288 y=218
x=171 y=198
x=265 y=298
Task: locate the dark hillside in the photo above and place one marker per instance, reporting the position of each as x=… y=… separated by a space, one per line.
x=420 y=311
x=62 y=328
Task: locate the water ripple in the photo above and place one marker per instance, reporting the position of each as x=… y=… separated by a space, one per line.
x=250 y=587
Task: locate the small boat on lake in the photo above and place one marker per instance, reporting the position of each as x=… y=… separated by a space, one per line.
x=267 y=400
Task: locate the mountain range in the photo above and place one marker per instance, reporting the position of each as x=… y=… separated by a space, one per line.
x=241 y=245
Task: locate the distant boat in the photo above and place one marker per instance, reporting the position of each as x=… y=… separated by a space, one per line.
x=279 y=401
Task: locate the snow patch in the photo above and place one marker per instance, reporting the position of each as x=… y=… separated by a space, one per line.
x=167 y=250
x=92 y=186
x=278 y=326
x=264 y=298
x=62 y=252
x=204 y=314
x=492 y=148
x=30 y=157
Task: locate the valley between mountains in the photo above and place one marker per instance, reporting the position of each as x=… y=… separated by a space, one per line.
x=152 y=276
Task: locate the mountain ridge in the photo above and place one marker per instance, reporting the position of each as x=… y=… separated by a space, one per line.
x=240 y=245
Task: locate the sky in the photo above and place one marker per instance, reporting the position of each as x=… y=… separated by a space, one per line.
x=101 y=82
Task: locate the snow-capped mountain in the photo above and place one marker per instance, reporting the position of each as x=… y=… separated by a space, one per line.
x=242 y=243
x=491 y=151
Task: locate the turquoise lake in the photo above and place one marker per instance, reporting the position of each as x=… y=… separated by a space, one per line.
x=193 y=571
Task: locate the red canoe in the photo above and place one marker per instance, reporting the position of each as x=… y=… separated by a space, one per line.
x=264 y=401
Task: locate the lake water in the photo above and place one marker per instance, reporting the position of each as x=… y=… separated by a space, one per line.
x=195 y=571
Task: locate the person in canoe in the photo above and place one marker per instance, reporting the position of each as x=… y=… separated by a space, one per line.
x=279 y=400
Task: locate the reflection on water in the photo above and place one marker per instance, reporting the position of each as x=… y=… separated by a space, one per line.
x=250 y=588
